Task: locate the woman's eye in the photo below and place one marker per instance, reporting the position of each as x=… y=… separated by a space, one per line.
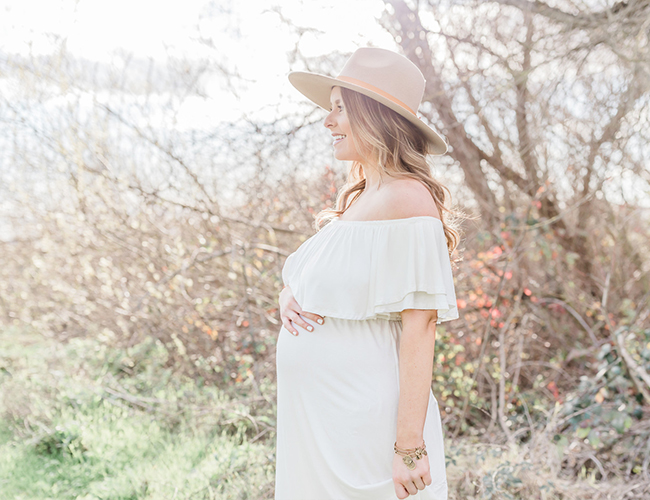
x=341 y=108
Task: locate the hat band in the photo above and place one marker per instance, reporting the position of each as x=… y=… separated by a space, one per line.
x=376 y=90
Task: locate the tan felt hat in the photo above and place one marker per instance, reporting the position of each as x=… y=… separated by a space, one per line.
x=385 y=76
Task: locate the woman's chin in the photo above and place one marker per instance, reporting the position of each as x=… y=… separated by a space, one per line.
x=340 y=156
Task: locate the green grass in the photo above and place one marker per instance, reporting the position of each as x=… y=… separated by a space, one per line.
x=74 y=427
x=86 y=421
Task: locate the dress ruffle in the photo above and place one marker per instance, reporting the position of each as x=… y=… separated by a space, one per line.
x=374 y=270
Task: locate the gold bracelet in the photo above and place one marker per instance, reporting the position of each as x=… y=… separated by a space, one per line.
x=409 y=449
x=408 y=454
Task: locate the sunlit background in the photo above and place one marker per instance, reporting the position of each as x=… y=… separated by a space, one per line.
x=248 y=38
x=157 y=169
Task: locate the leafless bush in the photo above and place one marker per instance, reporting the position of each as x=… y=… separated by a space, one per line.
x=119 y=223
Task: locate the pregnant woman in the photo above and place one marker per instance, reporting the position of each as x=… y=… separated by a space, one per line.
x=356 y=417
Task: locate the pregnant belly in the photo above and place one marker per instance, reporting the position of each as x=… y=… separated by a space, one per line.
x=338 y=388
x=344 y=367
x=344 y=350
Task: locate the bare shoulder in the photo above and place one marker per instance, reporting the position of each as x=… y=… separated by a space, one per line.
x=406 y=198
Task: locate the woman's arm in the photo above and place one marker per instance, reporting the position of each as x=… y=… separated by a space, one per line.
x=415 y=371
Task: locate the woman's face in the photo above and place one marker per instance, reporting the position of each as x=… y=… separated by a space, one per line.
x=338 y=124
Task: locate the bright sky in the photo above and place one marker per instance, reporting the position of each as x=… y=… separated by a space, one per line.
x=94 y=29
x=247 y=34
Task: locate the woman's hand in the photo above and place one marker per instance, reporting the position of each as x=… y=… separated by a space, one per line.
x=408 y=482
x=291 y=313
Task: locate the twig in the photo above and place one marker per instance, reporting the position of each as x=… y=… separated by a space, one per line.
x=196 y=257
x=503 y=368
x=632 y=365
x=573 y=313
x=486 y=331
x=617 y=336
x=520 y=349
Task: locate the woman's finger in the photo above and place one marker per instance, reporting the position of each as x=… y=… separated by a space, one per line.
x=410 y=487
x=298 y=320
x=299 y=314
x=400 y=491
x=314 y=317
x=287 y=325
x=419 y=483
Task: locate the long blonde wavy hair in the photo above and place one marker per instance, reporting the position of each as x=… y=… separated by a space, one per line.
x=401 y=150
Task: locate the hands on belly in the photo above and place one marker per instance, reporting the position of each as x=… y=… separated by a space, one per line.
x=291 y=313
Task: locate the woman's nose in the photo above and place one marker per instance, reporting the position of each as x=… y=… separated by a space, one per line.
x=328 y=121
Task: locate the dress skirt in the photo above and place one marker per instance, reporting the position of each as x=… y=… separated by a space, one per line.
x=337 y=400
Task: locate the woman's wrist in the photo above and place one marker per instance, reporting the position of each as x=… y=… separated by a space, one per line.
x=409 y=440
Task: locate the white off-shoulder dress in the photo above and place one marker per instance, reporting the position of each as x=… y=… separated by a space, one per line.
x=338 y=386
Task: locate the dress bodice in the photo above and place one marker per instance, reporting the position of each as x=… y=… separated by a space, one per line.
x=374 y=269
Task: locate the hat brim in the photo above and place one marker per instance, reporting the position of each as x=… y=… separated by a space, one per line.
x=317 y=88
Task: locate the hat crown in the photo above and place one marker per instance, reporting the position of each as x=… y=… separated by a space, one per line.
x=388 y=71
